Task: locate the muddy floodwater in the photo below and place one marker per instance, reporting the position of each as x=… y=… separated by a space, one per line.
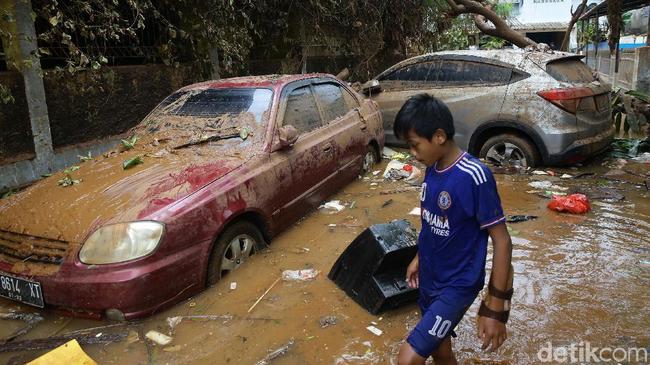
x=578 y=279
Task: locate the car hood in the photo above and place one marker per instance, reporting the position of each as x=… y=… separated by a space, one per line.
x=105 y=192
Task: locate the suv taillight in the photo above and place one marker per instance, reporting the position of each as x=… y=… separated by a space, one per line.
x=566 y=99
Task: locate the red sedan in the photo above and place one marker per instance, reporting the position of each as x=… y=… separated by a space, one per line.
x=210 y=176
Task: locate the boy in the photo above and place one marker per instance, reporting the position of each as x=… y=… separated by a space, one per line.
x=460 y=208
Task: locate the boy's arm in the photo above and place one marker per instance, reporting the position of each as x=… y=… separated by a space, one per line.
x=491 y=331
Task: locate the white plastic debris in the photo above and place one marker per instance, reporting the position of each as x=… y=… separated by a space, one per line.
x=376 y=331
x=540 y=184
x=173 y=322
x=643 y=158
x=233 y=285
x=396 y=170
x=376 y=172
x=566 y=176
x=158 y=338
x=388 y=153
x=538 y=172
x=334 y=205
x=300 y=275
x=416 y=211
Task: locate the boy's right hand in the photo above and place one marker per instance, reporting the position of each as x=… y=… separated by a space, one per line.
x=412 y=277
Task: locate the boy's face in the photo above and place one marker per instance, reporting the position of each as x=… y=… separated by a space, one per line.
x=427 y=151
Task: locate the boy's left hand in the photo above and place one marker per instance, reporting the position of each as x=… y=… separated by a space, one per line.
x=492 y=332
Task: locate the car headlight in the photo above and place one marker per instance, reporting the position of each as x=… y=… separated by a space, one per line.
x=121 y=242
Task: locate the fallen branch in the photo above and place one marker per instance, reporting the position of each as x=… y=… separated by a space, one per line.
x=266 y=292
x=276 y=353
x=52 y=342
x=30 y=319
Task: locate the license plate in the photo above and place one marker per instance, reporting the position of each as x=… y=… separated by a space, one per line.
x=22 y=290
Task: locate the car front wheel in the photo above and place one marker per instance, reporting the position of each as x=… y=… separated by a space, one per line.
x=233 y=247
x=510 y=150
x=369 y=159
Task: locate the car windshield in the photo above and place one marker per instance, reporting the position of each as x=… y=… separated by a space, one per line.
x=211 y=115
x=570 y=70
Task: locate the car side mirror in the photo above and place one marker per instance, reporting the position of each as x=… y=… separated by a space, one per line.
x=288 y=136
x=370 y=87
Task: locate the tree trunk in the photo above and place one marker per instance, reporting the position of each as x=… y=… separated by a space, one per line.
x=485 y=15
x=21 y=56
x=574 y=18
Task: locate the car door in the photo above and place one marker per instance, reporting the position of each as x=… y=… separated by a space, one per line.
x=311 y=159
x=349 y=133
x=472 y=89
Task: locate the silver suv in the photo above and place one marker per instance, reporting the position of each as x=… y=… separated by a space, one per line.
x=511 y=107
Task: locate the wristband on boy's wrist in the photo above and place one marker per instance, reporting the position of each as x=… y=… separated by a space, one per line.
x=484 y=311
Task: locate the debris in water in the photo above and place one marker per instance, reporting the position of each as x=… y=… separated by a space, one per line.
x=68 y=353
x=174 y=348
x=376 y=172
x=376 y=331
x=520 y=218
x=30 y=320
x=233 y=285
x=276 y=353
x=334 y=205
x=262 y=296
x=127 y=164
x=566 y=176
x=300 y=275
x=574 y=203
x=544 y=185
x=327 y=321
x=415 y=211
x=387 y=203
x=159 y=338
x=397 y=170
x=538 y=172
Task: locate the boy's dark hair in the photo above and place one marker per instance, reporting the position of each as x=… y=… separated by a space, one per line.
x=423 y=114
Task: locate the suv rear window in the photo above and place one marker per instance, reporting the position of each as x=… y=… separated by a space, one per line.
x=570 y=70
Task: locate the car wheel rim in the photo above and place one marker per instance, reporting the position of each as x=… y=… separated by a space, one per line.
x=506 y=154
x=368 y=161
x=238 y=250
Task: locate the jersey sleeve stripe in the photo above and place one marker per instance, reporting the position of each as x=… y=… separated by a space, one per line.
x=471 y=173
x=471 y=167
x=479 y=167
x=493 y=222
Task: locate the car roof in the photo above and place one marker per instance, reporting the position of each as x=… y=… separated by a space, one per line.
x=261 y=81
x=509 y=56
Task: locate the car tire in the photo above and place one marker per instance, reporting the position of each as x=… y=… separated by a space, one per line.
x=233 y=247
x=509 y=150
x=370 y=158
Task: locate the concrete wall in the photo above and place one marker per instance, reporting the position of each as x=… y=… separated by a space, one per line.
x=86 y=106
x=633 y=69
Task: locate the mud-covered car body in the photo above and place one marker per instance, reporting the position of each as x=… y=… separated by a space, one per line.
x=201 y=172
x=549 y=100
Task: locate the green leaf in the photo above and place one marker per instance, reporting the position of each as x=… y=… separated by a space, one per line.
x=54 y=20
x=617 y=122
x=71 y=169
x=640 y=95
x=86 y=158
x=244 y=132
x=129 y=143
x=127 y=164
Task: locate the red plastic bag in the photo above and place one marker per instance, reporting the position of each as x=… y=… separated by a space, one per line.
x=574 y=203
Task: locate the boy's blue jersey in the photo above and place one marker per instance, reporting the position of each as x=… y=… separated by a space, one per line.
x=458 y=204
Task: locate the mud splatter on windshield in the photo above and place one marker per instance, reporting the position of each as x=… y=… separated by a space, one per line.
x=209 y=115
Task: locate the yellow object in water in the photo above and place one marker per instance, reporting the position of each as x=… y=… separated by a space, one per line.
x=70 y=353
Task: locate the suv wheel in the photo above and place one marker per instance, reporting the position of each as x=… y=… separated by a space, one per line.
x=510 y=150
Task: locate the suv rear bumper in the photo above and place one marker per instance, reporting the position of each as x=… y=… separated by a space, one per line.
x=581 y=149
